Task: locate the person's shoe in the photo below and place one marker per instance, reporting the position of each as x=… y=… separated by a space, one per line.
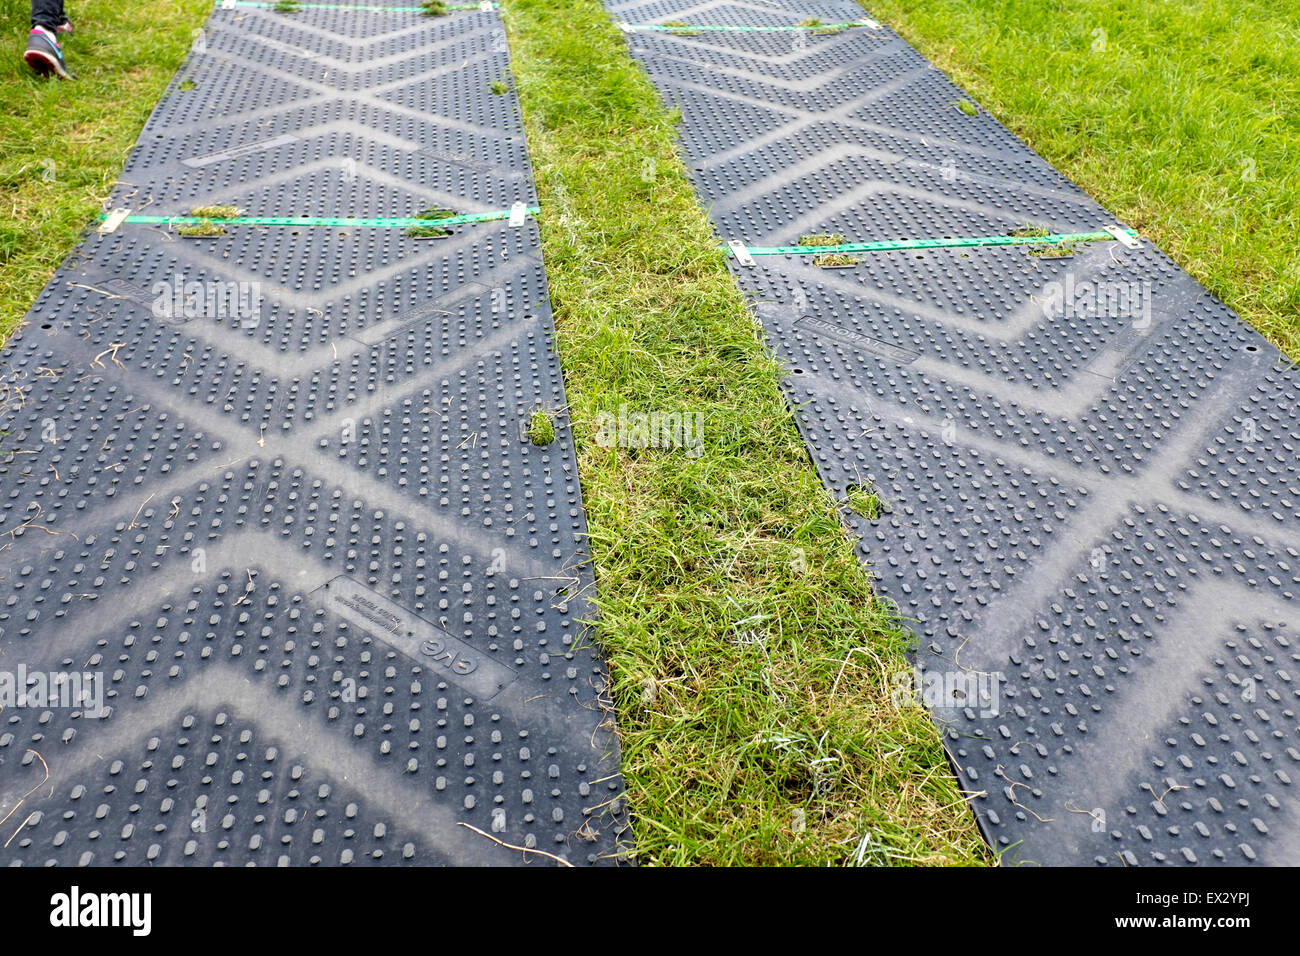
x=65 y=27
x=44 y=55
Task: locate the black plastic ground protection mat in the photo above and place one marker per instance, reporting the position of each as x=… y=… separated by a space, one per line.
x=268 y=501
x=1081 y=474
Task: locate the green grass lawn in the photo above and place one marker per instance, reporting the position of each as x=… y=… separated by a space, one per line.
x=1181 y=116
x=62 y=144
x=750 y=659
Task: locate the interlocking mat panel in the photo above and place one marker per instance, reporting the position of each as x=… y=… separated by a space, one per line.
x=1068 y=463
x=286 y=581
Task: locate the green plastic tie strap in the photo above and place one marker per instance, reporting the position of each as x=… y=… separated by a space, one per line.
x=402 y=222
x=692 y=27
x=888 y=245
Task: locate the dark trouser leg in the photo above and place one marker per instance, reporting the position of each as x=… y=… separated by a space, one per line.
x=47 y=13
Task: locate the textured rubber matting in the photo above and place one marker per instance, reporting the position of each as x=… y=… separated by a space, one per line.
x=1088 y=469
x=273 y=488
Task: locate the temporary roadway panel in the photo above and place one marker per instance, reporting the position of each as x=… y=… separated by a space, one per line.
x=1087 y=465
x=271 y=492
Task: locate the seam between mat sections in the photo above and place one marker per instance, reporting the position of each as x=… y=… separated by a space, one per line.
x=515 y=214
x=292 y=5
x=686 y=29
x=743 y=252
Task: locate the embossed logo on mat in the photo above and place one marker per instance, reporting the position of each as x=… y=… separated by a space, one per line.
x=414 y=637
x=197 y=162
x=896 y=353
